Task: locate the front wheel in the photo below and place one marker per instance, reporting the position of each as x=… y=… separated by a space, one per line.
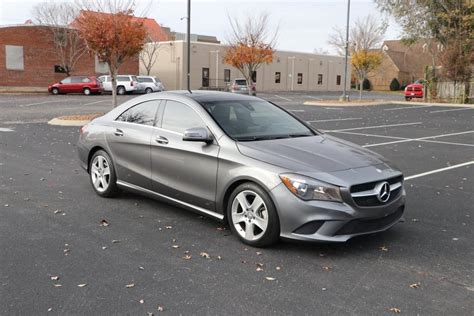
x=121 y=90
x=86 y=91
x=148 y=90
x=102 y=174
x=252 y=216
x=55 y=91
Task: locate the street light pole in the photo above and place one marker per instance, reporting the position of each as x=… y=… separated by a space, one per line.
x=345 y=97
x=189 y=47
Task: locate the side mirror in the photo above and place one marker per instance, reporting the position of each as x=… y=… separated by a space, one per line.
x=197 y=134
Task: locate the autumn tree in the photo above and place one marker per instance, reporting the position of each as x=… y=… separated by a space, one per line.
x=69 y=46
x=112 y=32
x=365 y=37
x=250 y=45
x=449 y=22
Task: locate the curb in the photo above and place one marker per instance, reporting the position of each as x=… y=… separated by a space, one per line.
x=60 y=122
x=381 y=102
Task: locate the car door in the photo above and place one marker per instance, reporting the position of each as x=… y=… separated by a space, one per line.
x=66 y=85
x=106 y=83
x=76 y=84
x=129 y=138
x=183 y=170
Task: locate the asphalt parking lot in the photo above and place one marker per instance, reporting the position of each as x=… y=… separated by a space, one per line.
x=156 y=258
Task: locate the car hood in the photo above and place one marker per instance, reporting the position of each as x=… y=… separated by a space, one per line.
x=321 y=153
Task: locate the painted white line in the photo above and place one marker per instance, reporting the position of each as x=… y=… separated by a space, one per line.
x=370 y=127
x=340 y=108
x=3 y=129
x=370 y=135
x=311 y=97
x=283 y=98
x=296 y=110
x=96 y=102
x=334 y=120
x=418 y=139
x=463 y=109
x=408 y=107
x=44 y=102
x=439 y=170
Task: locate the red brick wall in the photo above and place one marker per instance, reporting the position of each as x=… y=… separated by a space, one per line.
x=39 y=58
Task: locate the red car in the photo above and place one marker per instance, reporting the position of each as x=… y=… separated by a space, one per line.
x=414 y=90
x=77 y=84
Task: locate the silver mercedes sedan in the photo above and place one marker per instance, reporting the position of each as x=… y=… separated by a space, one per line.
x=244 y=161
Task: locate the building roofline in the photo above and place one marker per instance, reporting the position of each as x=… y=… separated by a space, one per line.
x=34 y=25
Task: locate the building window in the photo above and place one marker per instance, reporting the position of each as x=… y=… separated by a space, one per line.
x=14 y=57
x=101 y=67
x=277 y=77
x=59 y=69
x=338 y=80
x=254 y=76
x=300 y=78
x=226 y=75
x=320 y=79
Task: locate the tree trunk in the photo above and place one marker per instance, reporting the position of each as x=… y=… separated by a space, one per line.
x=361 y=82
x=113 y=78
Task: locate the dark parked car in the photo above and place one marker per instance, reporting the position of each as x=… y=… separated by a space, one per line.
x=77 y=84
x=244 y=161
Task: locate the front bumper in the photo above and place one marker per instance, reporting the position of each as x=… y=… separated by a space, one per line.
x=332 y=221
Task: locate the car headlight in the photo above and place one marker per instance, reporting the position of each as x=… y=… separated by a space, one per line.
x=307 y=188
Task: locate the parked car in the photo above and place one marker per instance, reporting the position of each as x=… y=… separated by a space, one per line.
x=244 y=161
x=414 y=90
x=125 y=84
x=77 y=84
x=151 y=84
x=240 y=86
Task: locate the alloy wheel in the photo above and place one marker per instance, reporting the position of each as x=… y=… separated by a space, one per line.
x=100 y=173
x=249 y=215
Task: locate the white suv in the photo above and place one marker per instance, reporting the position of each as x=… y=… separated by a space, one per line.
x=151 y=84
x=125 y=84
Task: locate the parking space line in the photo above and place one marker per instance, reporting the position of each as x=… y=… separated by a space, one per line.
x=370 y=127
x=283 y=98
x=295 y=110
x=419 y=139
x=311 y=97
x=439 y=170
x=44 y=102
x=4 y=129
x=463 y=109
x=96 y=102
x=408 y=107
x=334 y=120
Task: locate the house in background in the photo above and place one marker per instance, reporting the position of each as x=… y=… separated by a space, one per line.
x=404 y=62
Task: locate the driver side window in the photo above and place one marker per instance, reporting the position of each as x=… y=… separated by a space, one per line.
x=178 y=117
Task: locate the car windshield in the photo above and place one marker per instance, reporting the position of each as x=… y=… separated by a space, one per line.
x=248 y=120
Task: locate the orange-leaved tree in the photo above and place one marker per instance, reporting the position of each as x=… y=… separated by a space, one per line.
x=250 y=45
x=111 y=32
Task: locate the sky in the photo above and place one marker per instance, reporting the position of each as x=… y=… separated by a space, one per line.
x=304 y=25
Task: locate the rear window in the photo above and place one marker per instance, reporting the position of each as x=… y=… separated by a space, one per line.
x=241 y=82
x=417 y=89
x=145 y=79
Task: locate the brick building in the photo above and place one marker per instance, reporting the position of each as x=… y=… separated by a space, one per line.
x=28 y=58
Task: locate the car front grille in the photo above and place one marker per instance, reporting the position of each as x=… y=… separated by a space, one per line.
x=365 y=195
x=359 y=226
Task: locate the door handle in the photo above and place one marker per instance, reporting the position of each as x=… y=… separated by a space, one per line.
x=161 y=140
x=118 y=132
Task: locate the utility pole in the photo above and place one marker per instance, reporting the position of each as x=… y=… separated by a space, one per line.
x=189 y=47
x=344 y=96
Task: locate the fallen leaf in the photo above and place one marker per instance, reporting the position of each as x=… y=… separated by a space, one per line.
x=66 y=251
x=82 y=285
x=383 y=248
x=141 y=268
x=258 y=253
x=186 y=252
x=58 y=212
x=104 y=247
x=205 y=255
x=54 y=278
x=219 y=258
x=243 y=261
x=187 y=257
x=57 y=285
x=220 y=228
x=270 y=278
x=149 y=314
x=323 y=289
x=141 y=301
x=415 y=285
x=175 y=246
x=104 y=223
x=278 y=268
x=260 y=265
x=327 y=268
x=395 y=310
x=128 y=286
x=168 y=227
x=115 y=241
x=259 y=269
x=50 y=309
x=160 y=308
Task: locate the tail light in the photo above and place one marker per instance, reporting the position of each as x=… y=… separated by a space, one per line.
x=83 y=130
x=131 y=83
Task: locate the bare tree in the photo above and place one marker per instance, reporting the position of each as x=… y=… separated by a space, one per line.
x=149 y=54
x=58 y=16
x=367 y=33
x=251 y=43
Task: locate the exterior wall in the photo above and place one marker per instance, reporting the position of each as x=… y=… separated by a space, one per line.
x=382 y=76
x=40 y=58
x=171 y=69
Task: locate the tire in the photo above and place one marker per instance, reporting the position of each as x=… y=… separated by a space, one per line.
x=86 y=91
x=407 y=98
x=121 y=90
x=148 y=90
x=55 y=91
x=102 y=174
x=258 y=225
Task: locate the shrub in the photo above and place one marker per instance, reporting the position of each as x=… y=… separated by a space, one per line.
x=394 y=85
x=366 y=84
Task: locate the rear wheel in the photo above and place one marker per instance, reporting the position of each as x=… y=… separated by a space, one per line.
x=148 y=90
x=55 y=91
x=252 y=216
x=102 y=174
x=86 y=91
x=407 y=98
x=121 y=90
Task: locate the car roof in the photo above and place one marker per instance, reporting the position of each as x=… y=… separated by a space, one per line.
x=212 y=96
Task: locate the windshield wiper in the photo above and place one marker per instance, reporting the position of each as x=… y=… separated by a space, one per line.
x=300 y=135
x=263 y=137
